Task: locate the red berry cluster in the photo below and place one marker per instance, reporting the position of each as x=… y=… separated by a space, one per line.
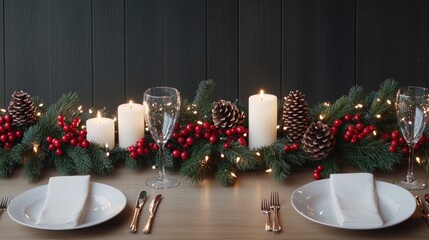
x=71 y=135
x=291 y=147
x=186 y=136
x=142 y=148
x=317 y=171
x=356 y=130
x=398 y=141
x=8 y=135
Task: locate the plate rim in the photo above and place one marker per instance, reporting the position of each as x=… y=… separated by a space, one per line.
x=120 y=207
x=381 y=183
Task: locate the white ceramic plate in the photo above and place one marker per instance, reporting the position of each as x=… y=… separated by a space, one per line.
x=105 y=202
x=313 y=201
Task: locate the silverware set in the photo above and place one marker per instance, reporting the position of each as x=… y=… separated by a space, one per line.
x=4 y=203
x=141 y=199
x=273 y=205
x=420 y=205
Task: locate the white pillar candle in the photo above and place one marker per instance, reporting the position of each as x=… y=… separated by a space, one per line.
x=101 y=130
x=262 y=120
x=130 y=124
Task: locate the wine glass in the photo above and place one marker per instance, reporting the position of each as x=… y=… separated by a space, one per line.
x=161 y=111
x=412 y=113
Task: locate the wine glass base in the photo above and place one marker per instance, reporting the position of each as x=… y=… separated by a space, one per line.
x=156 y=182
x=413 y=184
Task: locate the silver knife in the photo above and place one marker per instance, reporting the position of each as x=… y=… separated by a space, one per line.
x=152 y=210
x=427 y=198
x=422 y=209
x=139 y=205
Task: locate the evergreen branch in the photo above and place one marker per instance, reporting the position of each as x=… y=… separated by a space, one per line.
x=197 y=168
x=379 y=103
x=203 y=97
x=64 y=165
x=246 y=158
x=7 y=165
x=102 y=165
x=338 y=109
x=33 y=169
x=79 y=156
x=225 y=174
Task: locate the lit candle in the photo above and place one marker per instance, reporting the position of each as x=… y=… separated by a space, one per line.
x=262 y=120
x=130 y=123
x=101 y=130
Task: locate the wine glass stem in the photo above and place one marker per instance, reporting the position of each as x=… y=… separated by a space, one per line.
x=410 y=171
x=162 y=176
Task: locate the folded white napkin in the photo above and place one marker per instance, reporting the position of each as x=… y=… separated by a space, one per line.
x=65 y=201
x=355 y=199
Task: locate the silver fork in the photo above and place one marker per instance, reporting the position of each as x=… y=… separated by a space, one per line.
x=275 y=206
x=4 y=203
x=265 y=208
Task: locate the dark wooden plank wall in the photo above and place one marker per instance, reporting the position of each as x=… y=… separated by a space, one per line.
x=110 y=51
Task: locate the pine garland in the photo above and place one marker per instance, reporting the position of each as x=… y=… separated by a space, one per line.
x=225 y=156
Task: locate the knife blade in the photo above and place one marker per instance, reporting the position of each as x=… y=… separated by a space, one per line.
x=152 y=210
x=427 y=198
x=422 y=209
x=139 y=205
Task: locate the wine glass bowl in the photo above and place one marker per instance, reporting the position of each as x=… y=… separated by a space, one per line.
x=161 y=111
x=412 y=104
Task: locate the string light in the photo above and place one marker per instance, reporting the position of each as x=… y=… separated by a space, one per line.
x=258 y=154
x=321 y=117
x=153 y=167
x=41 y=105
x=389 y=102
x=378 y=100
x=237 y=160
x=268 y=170
x=35 y=147
x=326 y=104
x=378 y=116
x=90 y=111
x=418 y=160
x=200 y=122
x=233 y=174
x=222 y=155
x=107 y=150
x=359 y=105
x=3 y=110
x=278 y=126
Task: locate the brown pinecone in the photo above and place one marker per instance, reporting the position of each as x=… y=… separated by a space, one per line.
x=22 y=109
x=318 y=141
x=296 y=115
x=226 y=114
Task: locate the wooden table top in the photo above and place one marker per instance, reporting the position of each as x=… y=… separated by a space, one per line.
x=209 y=210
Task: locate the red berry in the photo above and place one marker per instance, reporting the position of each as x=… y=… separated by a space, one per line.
x=7 y=125
x=394 y=143
x=49 y=139
x=61 y=118
x=73 y=141
x=19 y=134
x=198 y=129
x=8 y=118
x=354 y=140
x=190 y=127
x=184 y=156
x=74 y=125
x=240 y=130
x=226 y=146
x=288 y=148
x=140 y=151
x=169 y=146
x=360 y=126
x=405 y=150
x=338 y=123
x=59 y=151
x=242 y=141
x=8 y=145
x=132 y=149
x=175 y=135
x=156 y=147
x=146 y=150
x=320 y=168
x=395 y=134
x=213 y=139
x=316 y=175
x=295 y=147
x=357 y=117
x=2 y=120
x=181 y=140
x=392 y=149
x=347 y=117
x=11 y=137
x=184 y=132
x=56 y=142
x=64 y=139
x=228 y=132
x=190 y=140
x=83 y=133
x=51 y=147
x=206 y=125
x=207 y=135
x=176 y=153
x=3 y=138
x=85 y=143
x=134 y=155
x=334 y=130
x=385 y=136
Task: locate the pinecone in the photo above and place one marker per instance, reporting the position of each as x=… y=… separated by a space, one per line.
x=226 y=114
x=22 y=109
x=318 y=141
x=296 y=115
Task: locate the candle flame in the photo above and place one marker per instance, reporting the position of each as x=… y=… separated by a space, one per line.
x=261 y=94
x=131 y=104
x=99 y=116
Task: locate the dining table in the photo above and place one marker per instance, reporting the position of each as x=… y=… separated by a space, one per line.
x=209 y=210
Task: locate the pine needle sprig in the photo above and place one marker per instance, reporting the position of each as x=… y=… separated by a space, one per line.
x=81 y=159
x=7 y=165
x=225 y=174
x=203 y=98
x=101 y=164
x=199 y=166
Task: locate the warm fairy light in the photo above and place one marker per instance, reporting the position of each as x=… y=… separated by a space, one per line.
x=90 y=111
x=359 y=105
x=39 y=114
x=188 y=108
x=222 y=155
x=3 y=110
x=378 y=100
x=321 y=117
x=378 y=116
x=258 y=154
x=83 y=127
x=284 y=128
x=206 y=158
x=389 y=102
x=375 y=133
x=200 y=122
x=268 y=170
x=153 y=167
x=41 y=105
x=107 y=154
x=35 y=147
x=326 y=104
x=146 y=129
x=278 y=126
x=237 y=160
x=418 y=159
x=79 y=108
x=244 y=134
x=195 y=112
x=233 y=174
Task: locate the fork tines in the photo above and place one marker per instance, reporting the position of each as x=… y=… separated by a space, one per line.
x=275 y=206
x=4 y=203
